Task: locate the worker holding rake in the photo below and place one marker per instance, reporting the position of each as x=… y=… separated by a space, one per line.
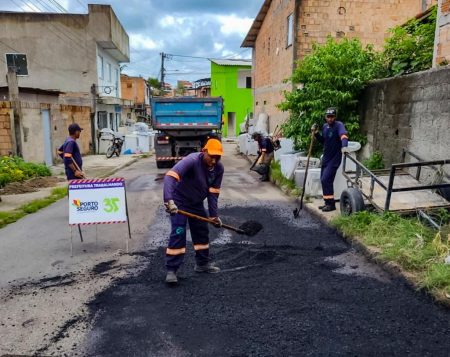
x=192 y=180
x=71 y=154
x=334 y=138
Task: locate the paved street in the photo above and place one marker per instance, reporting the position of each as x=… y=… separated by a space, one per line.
x=294 y=289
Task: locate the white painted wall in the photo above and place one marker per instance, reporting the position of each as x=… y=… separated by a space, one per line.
x=108 y=75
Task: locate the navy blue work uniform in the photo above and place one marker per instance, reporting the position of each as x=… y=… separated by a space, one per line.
x=189 y=183
x=334 y=137
x=68 y=151
x=265 y=145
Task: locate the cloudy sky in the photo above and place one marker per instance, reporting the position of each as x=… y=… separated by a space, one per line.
x=198 y=28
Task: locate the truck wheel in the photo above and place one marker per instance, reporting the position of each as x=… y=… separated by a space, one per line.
x=351 y=201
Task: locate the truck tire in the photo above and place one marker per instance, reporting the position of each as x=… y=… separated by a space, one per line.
x=352 y=201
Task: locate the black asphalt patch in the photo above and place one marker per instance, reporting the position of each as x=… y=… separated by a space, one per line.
x=276 y=296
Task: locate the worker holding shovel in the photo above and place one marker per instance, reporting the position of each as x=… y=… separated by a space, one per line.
x=334 y=138
x=71 y=154
x=192 y=180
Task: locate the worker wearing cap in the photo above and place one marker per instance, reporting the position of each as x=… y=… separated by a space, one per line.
x=334 y=138
x=266 y=151
x=192 y=180
x=71 y=154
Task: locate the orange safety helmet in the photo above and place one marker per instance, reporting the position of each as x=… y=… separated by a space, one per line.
x=214 y=147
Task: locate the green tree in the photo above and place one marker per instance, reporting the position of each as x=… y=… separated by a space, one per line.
x=334 y=74
x=410 y=47
x=154 y=82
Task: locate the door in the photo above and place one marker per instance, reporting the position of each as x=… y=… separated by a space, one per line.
x=231 y=124
x=48 y=153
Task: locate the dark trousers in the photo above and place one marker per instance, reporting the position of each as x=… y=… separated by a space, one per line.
x=177 y=243
x=327 y=175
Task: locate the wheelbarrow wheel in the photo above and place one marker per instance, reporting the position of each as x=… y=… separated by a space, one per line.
x=352 y=201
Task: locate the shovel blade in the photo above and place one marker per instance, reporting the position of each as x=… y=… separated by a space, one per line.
x=251 y=228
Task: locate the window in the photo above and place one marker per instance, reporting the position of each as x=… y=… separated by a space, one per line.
x=18 y=62
x=290 y=30
x=102 y=120
x=109 y=73
x=248 y=82
x=111 y=122
x=101 y=68
x=243 y=78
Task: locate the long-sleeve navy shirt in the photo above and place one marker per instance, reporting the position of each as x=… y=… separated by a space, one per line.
x=333 y=138
x=265 y=145
x=190 y=182
x=68 y=151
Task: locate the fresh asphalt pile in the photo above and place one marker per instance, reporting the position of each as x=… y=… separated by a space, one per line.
x=278 y=295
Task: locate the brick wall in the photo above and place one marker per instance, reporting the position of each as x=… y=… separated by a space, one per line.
x=133 y=88
x=5 y=130
x=411 y=112
x=368 y=20
x=273 y=61
x=443 y=41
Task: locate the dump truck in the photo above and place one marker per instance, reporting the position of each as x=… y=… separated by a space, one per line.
x=183 y=126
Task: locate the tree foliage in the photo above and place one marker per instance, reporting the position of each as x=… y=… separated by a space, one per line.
x=410 y=47
x=154 y=82
x=333 y=75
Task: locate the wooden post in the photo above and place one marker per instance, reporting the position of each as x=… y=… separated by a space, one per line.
x=13 y=90
x=93 y=116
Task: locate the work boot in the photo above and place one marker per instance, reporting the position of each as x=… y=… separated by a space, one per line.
x=171 y=277
x=329 y=208
x=207 y=268
x=322 y=207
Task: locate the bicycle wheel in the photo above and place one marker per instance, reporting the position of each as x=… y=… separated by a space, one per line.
x=110 y=152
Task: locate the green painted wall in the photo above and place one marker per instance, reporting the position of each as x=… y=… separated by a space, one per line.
x=224 y=83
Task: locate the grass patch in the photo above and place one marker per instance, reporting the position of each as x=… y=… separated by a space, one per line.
x=32 y=207
x=405 y=241
x=281 y=181
x=13 y=169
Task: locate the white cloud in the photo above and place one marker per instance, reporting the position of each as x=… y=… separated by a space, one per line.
x=139 y=41
x=231 y=24
x=169 y=20
x=218 y=46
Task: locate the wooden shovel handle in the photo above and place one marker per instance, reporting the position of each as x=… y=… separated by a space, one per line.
x=210 y=221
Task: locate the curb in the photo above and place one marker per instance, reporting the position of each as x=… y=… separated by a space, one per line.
x=118 y=168
x=394 y=270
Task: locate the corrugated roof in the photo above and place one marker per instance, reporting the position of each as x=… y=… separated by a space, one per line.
x=252 y=34
x=232 y=62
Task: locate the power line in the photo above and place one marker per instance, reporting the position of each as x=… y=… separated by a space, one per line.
x=58 y=5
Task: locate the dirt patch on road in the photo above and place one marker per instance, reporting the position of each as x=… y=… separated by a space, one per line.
x=32 y=185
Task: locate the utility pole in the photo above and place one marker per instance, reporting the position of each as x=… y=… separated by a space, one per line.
x=163 y=56
x=13 y=90
x=93 y=115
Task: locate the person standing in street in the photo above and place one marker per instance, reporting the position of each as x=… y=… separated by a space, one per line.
x=266 y=152
x=71 y=154
x=192 y=180
x=334 y=138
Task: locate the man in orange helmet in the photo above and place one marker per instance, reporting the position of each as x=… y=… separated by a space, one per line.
x=192 y=180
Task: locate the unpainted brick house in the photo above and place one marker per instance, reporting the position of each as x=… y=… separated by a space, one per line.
x=284 y=31
x=442 y=40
